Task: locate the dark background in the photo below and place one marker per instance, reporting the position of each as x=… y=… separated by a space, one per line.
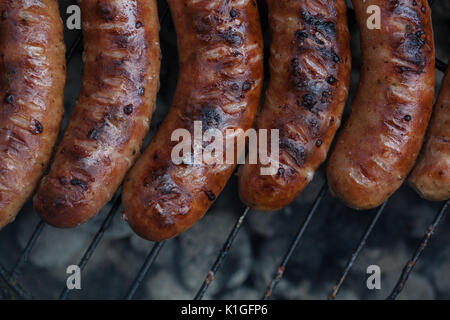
x=184 y=261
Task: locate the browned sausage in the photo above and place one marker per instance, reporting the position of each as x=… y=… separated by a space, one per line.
x=112 y=114
x=381 y=139
x=221 y=70
x=431 y=175
x=309 y=70
x=32 y=79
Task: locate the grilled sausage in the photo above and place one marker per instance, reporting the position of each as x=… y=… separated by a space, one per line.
x=221 y=70
x=309 y=69
x=381 y=139
x=32 y=79
x=112 y=114
x=431 y=175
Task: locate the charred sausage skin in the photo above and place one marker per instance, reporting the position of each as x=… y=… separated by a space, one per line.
x=112 y=114
x=221 y=71
x=431 y=175
x=32 y=79
x=309 y=69
x=381 y=139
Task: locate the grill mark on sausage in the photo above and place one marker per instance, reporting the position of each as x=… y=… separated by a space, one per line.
x=105 y=10
x=431 y=175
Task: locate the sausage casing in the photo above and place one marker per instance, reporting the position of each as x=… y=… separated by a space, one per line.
x=381 y=139
x=309 y=69
x=221 y=70
x=431 y=175
x=32 y=79
x=112 y=114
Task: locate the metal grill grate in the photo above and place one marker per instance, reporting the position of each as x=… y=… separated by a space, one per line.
x=11 y=278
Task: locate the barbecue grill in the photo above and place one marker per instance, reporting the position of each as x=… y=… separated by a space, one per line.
x=13 y=276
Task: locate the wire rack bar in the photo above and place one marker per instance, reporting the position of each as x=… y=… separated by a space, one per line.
x=420 y=249
x=95 y=241
x=222 y=255
x=357 y=252
x=282 y=268
x=144 y=269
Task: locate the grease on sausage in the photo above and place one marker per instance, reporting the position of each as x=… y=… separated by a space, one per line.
x=381 y=139
x=112 y=114
x=431 y=175
x=309 y=70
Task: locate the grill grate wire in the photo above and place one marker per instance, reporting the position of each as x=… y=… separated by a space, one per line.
x=357 y=251
x=295 y=243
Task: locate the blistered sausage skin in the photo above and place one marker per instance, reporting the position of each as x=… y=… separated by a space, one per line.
x=380 y=141
x=220 y=79
x=32 y=79
x=112 y=114
x=309 y=70
x=431 y=175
